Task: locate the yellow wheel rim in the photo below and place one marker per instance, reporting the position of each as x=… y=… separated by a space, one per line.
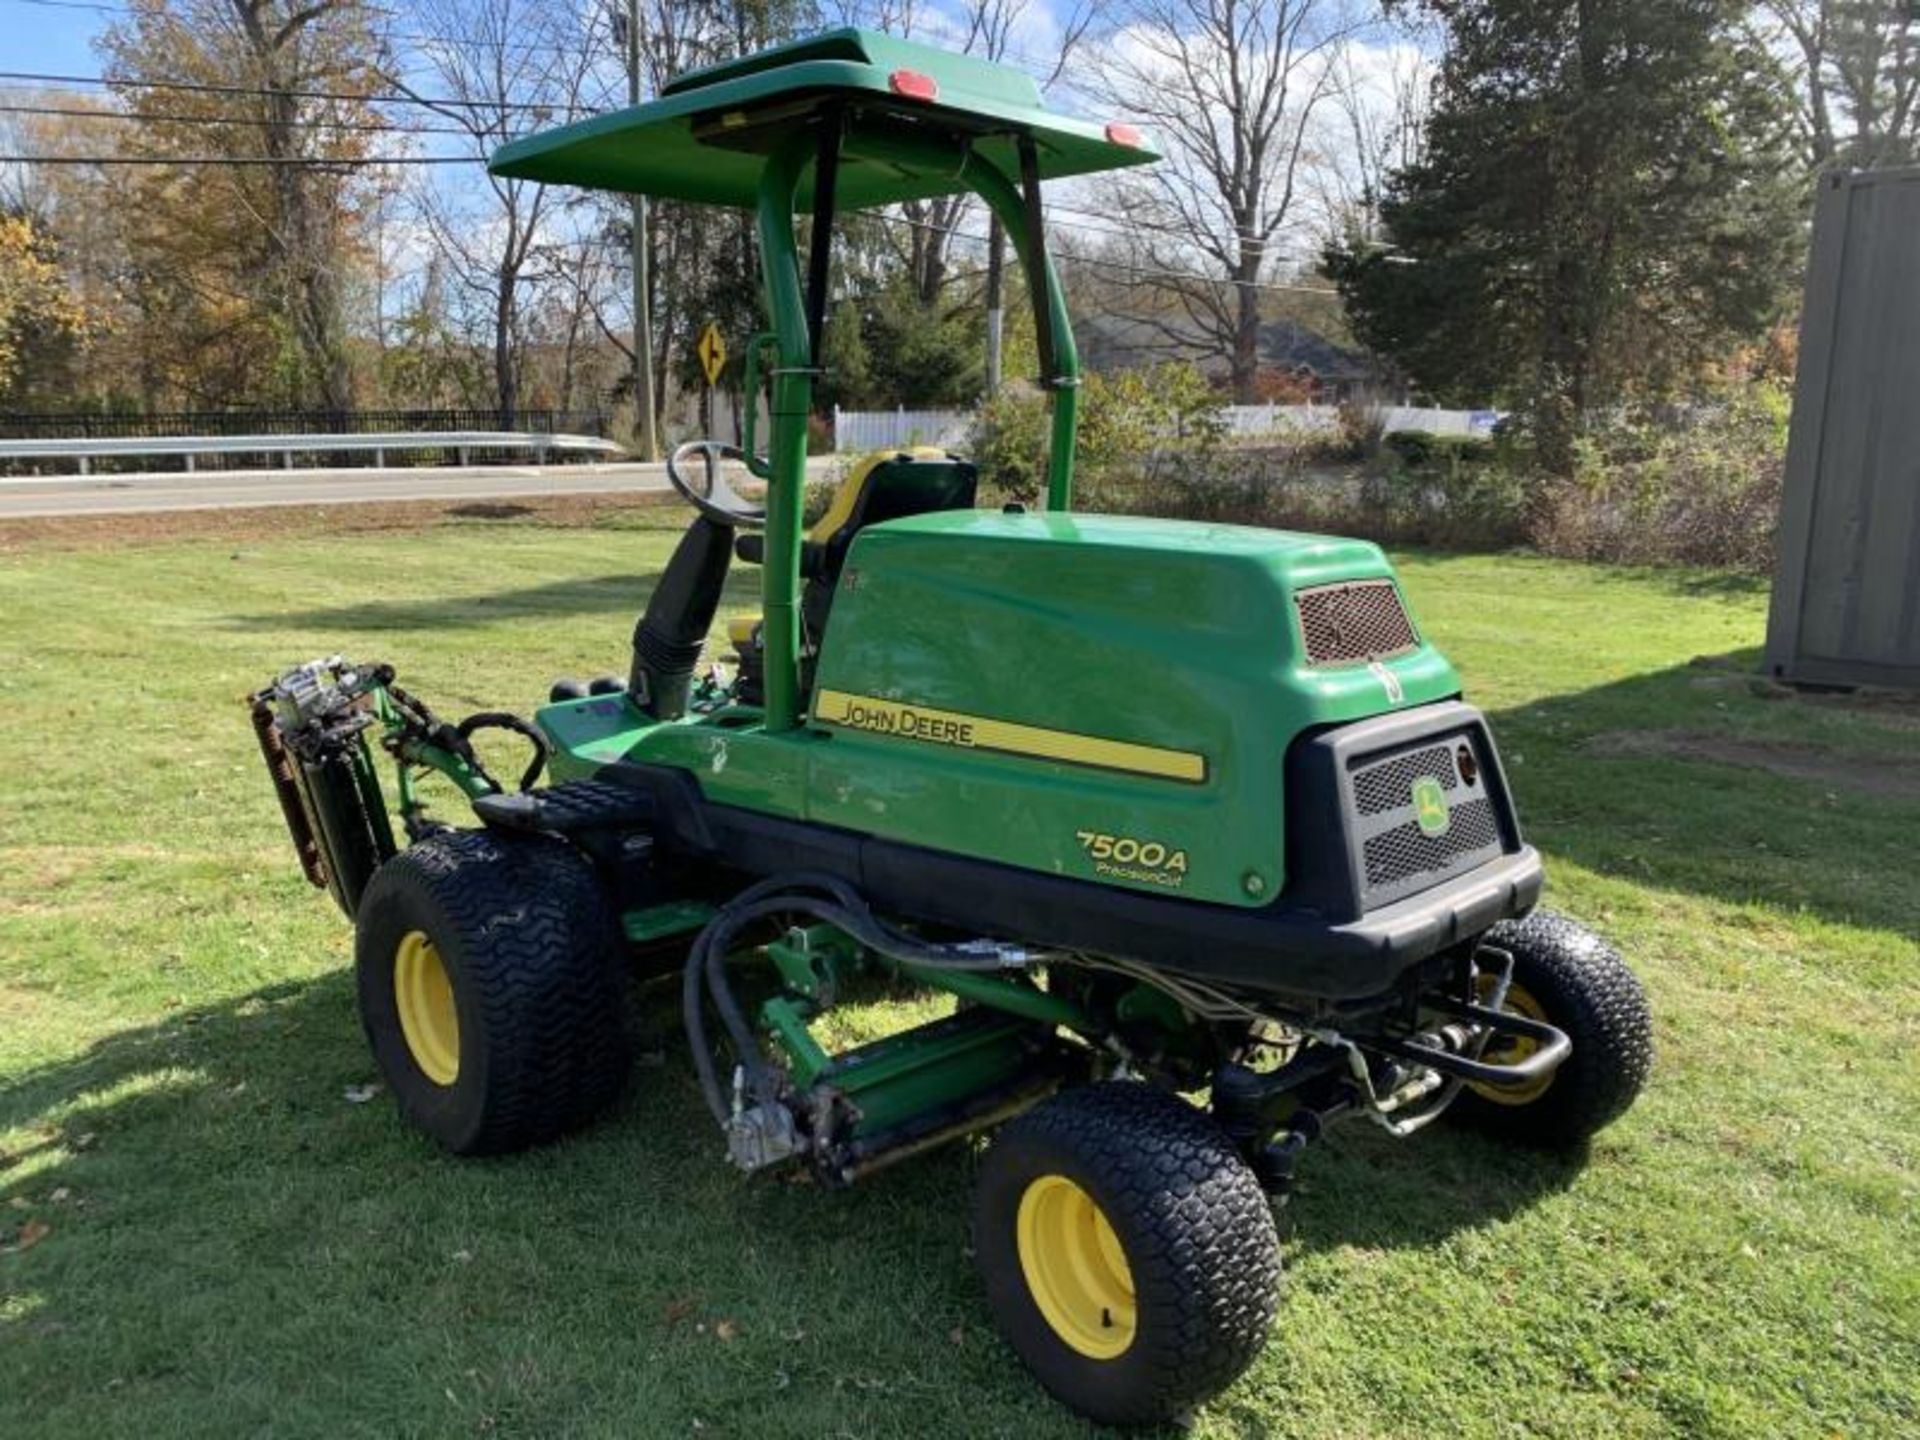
x=424 y=996
x=1511 y=1050
x=1075 y=1268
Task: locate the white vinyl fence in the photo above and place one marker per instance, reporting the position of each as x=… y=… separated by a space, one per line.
x=855 y=431
x=1251 y=421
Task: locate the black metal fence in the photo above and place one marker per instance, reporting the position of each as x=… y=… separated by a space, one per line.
x=294 y=422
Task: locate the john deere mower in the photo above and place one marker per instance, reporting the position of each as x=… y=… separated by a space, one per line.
x=1190 y=820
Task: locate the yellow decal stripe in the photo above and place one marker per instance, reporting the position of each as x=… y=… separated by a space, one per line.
x=977 y=732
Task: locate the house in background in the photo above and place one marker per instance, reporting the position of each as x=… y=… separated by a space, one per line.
x=1296 y=363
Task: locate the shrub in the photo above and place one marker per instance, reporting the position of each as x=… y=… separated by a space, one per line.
x=1363 y=425
x=1701 y=488
x=1419 y=449
x=1008 y=442
x=1135 y=427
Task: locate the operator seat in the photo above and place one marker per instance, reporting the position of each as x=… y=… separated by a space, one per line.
x=889 y=485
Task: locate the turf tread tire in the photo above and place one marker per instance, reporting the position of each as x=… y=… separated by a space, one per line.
x=1587 y=991
x=530 y=945
x=1196 y=1228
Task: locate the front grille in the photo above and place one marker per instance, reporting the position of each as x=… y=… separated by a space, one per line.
x=1389 y=784
x=1397 y=855
x=1407 y=851
x=1358 y=620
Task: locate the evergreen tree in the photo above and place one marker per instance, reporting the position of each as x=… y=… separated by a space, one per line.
x=1608 y=198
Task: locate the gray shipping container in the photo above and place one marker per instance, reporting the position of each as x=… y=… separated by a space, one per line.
x=1846 y=587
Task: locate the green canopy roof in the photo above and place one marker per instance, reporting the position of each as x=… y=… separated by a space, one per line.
x=708 y=136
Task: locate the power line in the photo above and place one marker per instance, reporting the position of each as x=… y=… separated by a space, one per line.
x=378 y=127
x=367 y=162
x=151 y=117
x=1273 y=247
x=1041 y=75
x=417 y=38
x=375 y=162
x=1122 y=266
x=369 y=98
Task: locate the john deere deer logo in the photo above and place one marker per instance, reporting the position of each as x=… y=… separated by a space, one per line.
x=1430 y=807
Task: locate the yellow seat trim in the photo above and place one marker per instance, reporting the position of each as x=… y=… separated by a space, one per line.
x=846 y=499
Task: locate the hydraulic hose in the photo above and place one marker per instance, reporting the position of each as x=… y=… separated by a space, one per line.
x=699 y=973
x=784 y=894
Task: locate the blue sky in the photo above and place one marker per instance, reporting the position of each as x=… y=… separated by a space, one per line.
x=50 y=41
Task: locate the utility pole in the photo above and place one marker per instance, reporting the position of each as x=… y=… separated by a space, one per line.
x=642 y=307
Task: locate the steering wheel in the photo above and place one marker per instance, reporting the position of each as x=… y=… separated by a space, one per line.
x=708 y=491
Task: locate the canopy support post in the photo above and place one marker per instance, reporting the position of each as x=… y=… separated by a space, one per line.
x=787 y=440
x=1019 y=211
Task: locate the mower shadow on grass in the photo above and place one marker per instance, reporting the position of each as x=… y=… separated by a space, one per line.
x=591 y=595
x=1691 y=779
x=222 y=1173
x=1366 y=1190
x=619 y=597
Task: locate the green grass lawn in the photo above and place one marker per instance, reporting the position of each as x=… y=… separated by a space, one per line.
x=204 y=1234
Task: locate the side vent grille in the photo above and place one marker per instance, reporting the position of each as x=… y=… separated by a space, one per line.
x=1358 y=620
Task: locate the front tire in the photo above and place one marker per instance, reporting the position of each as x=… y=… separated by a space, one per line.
x=488 y=977
x=1569 y=977
x=1129 y=1254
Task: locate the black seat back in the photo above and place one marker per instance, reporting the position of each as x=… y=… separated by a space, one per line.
x=889 y=486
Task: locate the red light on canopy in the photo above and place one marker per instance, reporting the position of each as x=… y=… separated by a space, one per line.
x=1121 y=133
x=913 y=85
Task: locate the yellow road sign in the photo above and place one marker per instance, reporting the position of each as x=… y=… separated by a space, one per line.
x=712 y=351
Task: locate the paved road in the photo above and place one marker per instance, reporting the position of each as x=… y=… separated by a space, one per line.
x=244 y=489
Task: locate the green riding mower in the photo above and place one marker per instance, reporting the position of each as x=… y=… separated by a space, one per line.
x=1190 y=820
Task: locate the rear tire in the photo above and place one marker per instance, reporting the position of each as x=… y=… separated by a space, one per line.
x=1568 y=976
x=488 y=975
x=1128 y=1252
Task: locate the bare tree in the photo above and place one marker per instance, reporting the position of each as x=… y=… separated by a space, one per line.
x=670 y=38
x=498 y=69
x=1232 y=89
x=1855 y=65
x=1372 y=126
x=987 y=29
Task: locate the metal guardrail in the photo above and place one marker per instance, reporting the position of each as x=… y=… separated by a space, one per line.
x=462 y=442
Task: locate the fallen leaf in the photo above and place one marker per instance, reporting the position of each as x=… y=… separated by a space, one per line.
x=726 y=1329
x=361 y=1094
x=463 y=1256
x=677 y=1310
x=957 y=1335
x=31 y=1234
x=58 y=1194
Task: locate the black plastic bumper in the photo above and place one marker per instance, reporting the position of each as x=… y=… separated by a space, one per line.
x=1284 y=949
